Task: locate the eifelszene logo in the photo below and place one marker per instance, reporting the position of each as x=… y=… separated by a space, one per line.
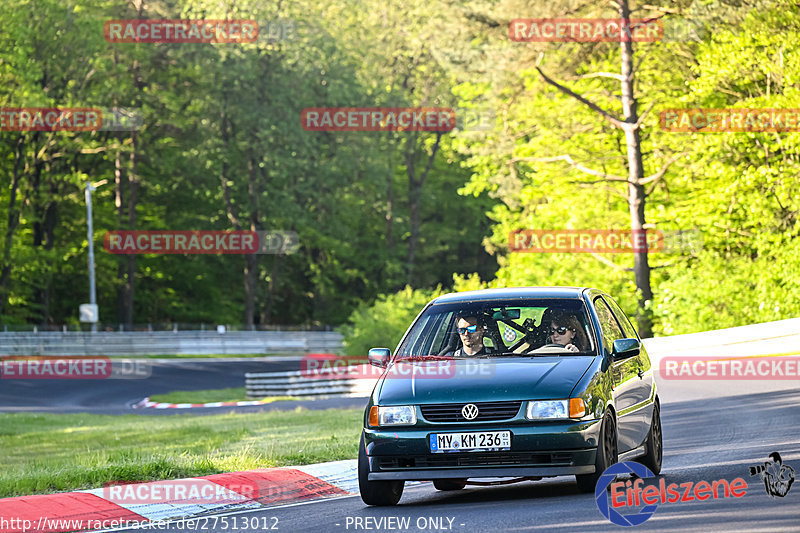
x=777 y=477
x=641 y=500
x=607 y=508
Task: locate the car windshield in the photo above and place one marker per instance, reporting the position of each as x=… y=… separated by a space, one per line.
x=500 y=328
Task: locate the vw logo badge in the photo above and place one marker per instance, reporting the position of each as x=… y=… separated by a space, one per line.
x=469 y=411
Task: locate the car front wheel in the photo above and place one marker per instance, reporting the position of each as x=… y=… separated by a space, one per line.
x=375 y=492
x=606 y=454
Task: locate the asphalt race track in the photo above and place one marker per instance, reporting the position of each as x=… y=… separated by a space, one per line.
x=116 y=396
x=712 y=430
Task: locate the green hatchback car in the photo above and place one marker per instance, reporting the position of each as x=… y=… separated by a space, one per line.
x=519 y=383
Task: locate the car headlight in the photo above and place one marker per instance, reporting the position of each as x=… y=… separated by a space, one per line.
x=392 y=415
x=555 y=409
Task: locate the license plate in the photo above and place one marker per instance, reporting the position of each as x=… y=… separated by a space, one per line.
x=472 y=441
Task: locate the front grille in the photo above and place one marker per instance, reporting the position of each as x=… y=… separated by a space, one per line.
x=451 y=412
x=475 y=459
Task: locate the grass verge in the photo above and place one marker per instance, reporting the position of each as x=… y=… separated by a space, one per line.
x=44 y=453
x=234 y=394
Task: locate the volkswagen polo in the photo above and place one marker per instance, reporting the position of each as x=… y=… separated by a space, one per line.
x=520 y=383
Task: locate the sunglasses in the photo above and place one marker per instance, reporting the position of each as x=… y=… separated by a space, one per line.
x=560 y=331
x=468 y=329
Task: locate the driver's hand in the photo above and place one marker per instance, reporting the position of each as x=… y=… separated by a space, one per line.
x=572 y=348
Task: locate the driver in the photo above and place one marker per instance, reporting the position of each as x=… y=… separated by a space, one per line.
x=471 y=332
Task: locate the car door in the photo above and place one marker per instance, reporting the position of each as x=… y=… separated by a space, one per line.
x=644 y=385
x=624 y=375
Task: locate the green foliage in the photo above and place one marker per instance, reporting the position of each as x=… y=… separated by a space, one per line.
x=740 y=190
x=383 y=323
x=221 y=147
x=749 y=291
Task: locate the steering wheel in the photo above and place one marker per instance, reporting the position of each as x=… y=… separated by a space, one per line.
x=551 y=348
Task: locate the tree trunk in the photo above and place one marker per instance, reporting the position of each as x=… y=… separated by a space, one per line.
x=636 y=192
x=251 y=260
x=38 y=207
x=133 y=186
x=13 y=221
x=389 y=232
x=250 y=273
x=414 y=194
x=270 y=301
x=133 y=183
x=119 y=203
x=415 y=187
x=50 y=222
x=389 y=210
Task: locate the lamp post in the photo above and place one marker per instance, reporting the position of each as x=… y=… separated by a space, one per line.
x=90 y=235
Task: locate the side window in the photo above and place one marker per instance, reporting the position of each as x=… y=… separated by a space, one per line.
x=413 y=344
x=627 y=327
x=439 y=340
x=611 y=330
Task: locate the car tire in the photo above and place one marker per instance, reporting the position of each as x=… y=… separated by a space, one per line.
x=376 y=492
x=655 y=449
x=449 y=484
x=607 y=454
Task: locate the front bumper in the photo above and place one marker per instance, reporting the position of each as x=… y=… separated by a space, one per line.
x=537 y=449
x=468 y=473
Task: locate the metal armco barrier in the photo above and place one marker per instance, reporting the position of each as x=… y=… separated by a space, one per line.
x=168 y=343
x=297 y=383
x=782 y=336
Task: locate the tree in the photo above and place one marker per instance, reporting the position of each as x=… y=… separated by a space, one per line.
x=631 y=124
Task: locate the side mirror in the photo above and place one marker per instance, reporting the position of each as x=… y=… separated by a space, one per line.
x=379 y=357
x=626 y=348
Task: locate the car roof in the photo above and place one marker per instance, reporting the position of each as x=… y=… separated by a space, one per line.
x=512 y=293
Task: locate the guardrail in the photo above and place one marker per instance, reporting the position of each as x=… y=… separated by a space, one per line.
x=782 y=336
x=156 y=326
x=169 y=343
x=298 y=383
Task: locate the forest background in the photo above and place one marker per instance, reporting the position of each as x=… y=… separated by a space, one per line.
x=387 y=220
